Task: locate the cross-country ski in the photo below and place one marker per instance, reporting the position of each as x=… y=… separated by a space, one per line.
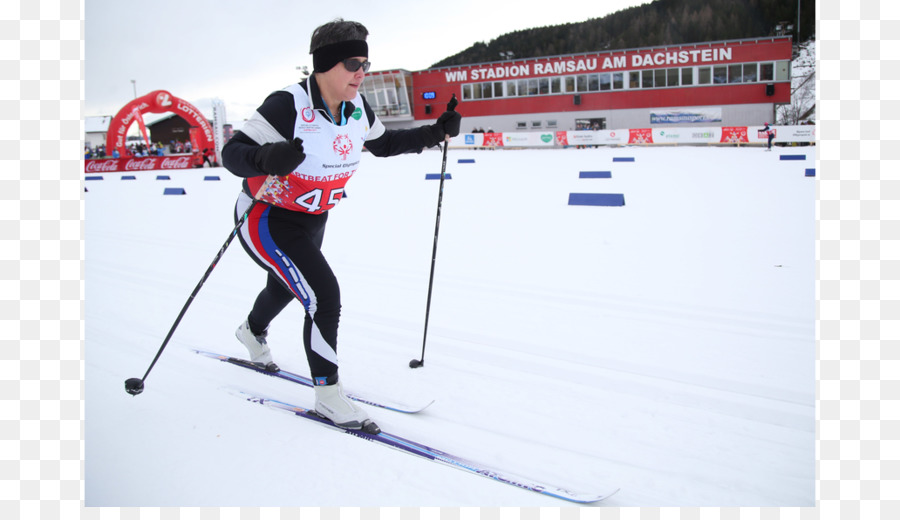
x=436 y=455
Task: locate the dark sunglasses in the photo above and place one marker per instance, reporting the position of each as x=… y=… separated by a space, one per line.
x=353 y=65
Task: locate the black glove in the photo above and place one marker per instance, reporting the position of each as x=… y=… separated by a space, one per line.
x=447 y=124
x=280 y=158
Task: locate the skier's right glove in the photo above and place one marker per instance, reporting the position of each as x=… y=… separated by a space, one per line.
x=280 y=158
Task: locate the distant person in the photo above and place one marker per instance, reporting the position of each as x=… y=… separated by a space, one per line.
x=206 y=158
x=770 y=134
x=296 y=154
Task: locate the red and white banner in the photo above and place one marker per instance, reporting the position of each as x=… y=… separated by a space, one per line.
x=640 y=136
x=734 y=134
x=140 y=164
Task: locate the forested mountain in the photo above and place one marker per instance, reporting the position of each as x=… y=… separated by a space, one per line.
x=661 y=22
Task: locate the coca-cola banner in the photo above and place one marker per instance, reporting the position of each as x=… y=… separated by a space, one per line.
x=138 y=164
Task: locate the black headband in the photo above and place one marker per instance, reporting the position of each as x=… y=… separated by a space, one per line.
x=327 y=56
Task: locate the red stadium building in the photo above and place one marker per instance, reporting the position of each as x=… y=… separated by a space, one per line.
x=724 y=83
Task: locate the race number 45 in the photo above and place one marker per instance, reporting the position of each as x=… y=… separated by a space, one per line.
x=312 y=200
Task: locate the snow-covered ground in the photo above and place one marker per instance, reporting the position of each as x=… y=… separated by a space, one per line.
x=665 y=347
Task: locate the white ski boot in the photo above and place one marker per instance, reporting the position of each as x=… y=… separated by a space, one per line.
x=332 y=404
x=257 y=346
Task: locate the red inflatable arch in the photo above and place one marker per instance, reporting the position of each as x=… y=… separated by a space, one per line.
x=160 y=101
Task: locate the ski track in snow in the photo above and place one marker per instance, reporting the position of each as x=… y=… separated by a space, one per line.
x=665 y=347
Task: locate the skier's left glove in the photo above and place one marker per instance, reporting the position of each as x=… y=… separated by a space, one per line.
x=447 y=125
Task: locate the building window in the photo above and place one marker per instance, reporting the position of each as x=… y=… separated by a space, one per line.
x=618 y=80
x=533 y=87
x=672 y=77
x=735 y=73
x=687 y=76
x=523 y=87
x=634 y=79
x=556 y=85
x=749 y=72
x=498 y=89
x=388 y=94
x=720 y=74
x=647 y=79
x=605 y=82
x=593 y=83
x=659 y=78
x=581 y=83
x=570 y=84
x=535 y=124
x=766 y=71
x=551 y=123
x=704 y=75
x=510 y=89
x=521 y=125
x=544 y=85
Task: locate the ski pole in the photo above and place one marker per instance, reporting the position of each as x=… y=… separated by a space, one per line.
x=416 y=363
x=135 y=386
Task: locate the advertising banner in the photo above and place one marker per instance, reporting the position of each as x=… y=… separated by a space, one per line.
x=686 y=115
x=734 y=134
x=157 y=102
x=593 y=138
x=470 y=139
x=529 y=139
x=640 y=136
x=687 y=135
x=795 y=134
x=712 y=135
x=493 y=139
x=140 y=164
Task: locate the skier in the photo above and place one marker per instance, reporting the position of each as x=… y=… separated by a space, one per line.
x=771 y=134
x=296 y=154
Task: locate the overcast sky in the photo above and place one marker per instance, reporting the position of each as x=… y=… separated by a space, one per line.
x=240 y=51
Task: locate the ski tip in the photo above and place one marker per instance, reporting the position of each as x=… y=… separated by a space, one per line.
x=596 y=498
x=409 y=409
